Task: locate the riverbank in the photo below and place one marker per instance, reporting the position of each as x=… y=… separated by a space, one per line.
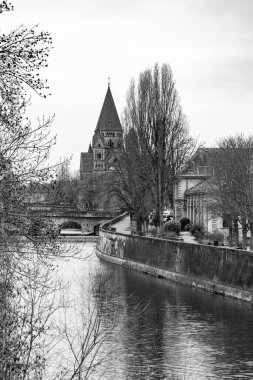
x=228 y=272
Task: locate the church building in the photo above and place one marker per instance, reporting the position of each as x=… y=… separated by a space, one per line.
x=107 y=137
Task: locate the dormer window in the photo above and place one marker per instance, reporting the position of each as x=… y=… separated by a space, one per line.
x=99 y=156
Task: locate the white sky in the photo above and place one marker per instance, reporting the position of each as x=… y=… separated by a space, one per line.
x=208 y=43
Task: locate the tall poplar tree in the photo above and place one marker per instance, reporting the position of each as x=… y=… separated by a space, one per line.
x=162 y=140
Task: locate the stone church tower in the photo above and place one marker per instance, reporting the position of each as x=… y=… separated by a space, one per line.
x=107 y=137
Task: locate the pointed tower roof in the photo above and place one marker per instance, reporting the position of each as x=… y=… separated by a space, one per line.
x=98 y=139
x=109 y=119
x=90 y=149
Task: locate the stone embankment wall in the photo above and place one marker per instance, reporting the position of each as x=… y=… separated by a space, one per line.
x=216 y=269
x=79 y=238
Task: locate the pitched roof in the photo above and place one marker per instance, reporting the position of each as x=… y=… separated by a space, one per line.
x=201 y=188
x=202 y=157
x=98 y=138
x=86 y=162
x=109 y=119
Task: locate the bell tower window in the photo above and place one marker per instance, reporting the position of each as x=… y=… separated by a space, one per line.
x=111 y=143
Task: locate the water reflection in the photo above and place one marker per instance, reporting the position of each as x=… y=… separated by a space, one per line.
x=164 y=330
x=182 y=333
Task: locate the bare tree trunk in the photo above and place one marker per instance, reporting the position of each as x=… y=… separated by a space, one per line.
x=235 y=235
x=244 y=233
x=251 y=235
x=230 y=236
x=160 y=211
x=139 y=223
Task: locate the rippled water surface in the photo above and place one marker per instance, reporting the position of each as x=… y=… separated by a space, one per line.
x=168 y=331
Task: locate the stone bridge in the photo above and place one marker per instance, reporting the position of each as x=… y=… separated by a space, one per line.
x=61 y=216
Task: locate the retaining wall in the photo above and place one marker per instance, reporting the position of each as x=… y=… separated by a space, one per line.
x=216 y=269
x=85 y=239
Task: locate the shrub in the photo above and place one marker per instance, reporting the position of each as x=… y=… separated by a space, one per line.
x=195 y=227
x=199 y=235
x=172 y=226
x=187 y=227
x=184 y=222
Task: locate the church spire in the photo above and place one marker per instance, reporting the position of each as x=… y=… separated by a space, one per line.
x=109 y=119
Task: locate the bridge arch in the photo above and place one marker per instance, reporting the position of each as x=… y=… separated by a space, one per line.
x=70 y=224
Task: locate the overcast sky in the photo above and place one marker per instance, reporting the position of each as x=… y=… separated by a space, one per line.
x=208 y=44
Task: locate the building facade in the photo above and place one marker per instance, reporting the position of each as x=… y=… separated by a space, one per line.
x=191 y=191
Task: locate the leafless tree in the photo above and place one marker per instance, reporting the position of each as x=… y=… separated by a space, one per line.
x=157 y=141
x=27 y=249
x=87 y=327
x=67 y=189
x=129 y=181
x=90 y=328
x=232 y=185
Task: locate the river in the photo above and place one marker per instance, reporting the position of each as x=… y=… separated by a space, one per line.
x=163 y=330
